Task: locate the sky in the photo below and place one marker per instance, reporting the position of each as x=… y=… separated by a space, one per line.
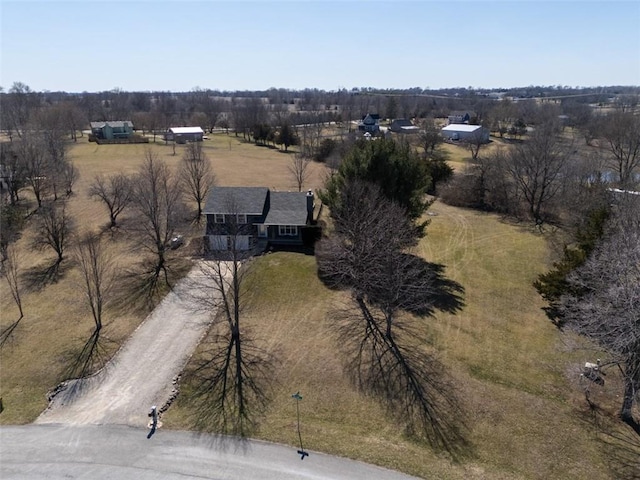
x=179 y=45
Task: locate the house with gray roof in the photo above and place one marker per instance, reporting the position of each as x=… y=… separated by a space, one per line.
x=370 y=123
x=462 y=116
x=245 y=218
x=403 y=125
x=112 y=129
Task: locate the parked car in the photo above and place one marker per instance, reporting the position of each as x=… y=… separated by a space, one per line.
x=177 y=241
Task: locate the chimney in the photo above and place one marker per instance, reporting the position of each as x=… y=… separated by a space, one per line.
x=310 y=206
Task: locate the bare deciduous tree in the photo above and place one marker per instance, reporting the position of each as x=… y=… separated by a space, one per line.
x=605 y=306
x=537 y=168
x=299 y=169
x=70 y=176
x=11 y=271
x=50 y=125
x=33 y=157
x=367 y=255
x=234 y=377
x=156 y=199
x=14 y=170
x=196 y=175
x=97 y=267
x=622 y=134
x=55 y=228
x=475 y=142
x=430 y=136
x=115 y=192
x=18 y=107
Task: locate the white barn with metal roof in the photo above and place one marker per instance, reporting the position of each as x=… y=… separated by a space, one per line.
x=459 y=131
x=184 y=134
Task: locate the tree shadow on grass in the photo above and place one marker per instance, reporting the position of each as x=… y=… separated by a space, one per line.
x=442 y=293
x=426 y=291
x=228 y=388
x=410 y=383
x=7 y=333
x=619 y=442
x=623 y=452
x=140 y=290
x=387 y=351
x=39 y=277
x=91 y=357
x=83 y=364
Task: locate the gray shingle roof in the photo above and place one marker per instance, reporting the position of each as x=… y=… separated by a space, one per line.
x=287 y=208
x=233 y=200
x=112 y=123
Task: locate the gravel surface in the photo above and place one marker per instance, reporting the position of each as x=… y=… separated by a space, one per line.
x=142 y=373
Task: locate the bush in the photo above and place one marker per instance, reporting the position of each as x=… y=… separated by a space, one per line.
x=326 y=148
x=462 y=190
x=440 y=172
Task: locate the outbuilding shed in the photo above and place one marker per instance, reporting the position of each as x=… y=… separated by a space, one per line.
x=184 y=134
x=458 y=131
x=403 y=125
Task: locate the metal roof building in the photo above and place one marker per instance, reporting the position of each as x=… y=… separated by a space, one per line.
x=460 y=131
x=184 y=134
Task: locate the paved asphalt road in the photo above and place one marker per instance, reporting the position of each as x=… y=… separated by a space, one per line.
x=100 y=452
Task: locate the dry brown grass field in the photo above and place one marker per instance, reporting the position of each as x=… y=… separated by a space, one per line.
x=57 y=322
x=515 y=374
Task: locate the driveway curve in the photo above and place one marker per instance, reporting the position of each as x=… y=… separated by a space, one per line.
x=142 y=372
x=97 y=427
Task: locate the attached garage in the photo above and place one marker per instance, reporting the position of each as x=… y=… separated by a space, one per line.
x=224 y=242
x=242 y=242
x=218 y=242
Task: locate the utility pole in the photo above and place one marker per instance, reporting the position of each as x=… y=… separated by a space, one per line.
x=301 y=452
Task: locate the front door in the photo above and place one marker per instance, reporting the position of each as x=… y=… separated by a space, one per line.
x=262 y=231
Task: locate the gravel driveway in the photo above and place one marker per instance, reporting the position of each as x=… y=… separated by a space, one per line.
x=141 y=374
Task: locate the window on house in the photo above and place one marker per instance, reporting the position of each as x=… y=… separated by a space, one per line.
x=219 y=218
x=287 y=230
x=242 y=218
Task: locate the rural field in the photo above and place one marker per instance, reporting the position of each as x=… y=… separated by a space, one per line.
x=516 y=375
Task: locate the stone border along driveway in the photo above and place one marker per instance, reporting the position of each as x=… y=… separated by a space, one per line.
x=144 y=371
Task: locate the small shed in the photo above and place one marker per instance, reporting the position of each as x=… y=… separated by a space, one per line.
x=184 y=134
x=460 y=131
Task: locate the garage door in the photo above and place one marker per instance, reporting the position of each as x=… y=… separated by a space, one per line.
x=218 y=242
x=242 y=242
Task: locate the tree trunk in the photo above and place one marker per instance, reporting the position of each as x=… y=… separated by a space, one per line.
x=239 y=377
x=630 y=391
